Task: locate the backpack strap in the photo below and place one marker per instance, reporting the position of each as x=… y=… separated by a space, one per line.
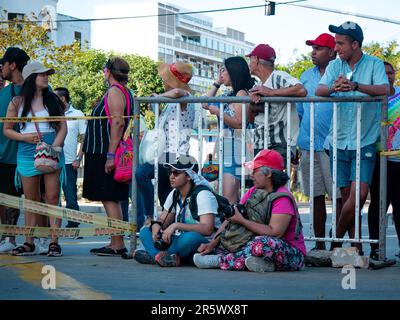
x=278 y=195
x=193 y=200
x=175 y=197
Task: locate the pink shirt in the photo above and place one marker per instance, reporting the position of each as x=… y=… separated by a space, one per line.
x=284 y=206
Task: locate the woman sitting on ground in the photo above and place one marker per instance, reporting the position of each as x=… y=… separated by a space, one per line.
x=262 y=241
x=176 y=235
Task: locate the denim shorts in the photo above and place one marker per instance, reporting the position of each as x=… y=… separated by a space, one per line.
x=346 y=165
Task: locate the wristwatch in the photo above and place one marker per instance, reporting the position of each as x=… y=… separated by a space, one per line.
x=217 y=85
x=355 y=86
x=78 y=158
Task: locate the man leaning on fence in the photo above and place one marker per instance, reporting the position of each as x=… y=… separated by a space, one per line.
x=274 y=83
x=322 y=53
x=354 y=74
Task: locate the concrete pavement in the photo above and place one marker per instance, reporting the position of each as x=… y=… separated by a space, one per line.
x=84 y=276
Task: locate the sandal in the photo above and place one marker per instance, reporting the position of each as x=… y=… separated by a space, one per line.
x=107 y=251
x=54 y=250
x=23 y=251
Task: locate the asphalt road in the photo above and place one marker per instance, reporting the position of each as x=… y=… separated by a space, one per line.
x=84 y=276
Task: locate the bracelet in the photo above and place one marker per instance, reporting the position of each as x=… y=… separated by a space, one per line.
x=217 y=85
x=110 y=156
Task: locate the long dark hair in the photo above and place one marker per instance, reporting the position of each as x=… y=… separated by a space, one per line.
x=239 y=73
x=51 y=102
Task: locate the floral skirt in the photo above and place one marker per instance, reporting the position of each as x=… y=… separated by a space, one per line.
x=285 y=257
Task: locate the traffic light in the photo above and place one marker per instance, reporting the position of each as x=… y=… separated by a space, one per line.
x=269 y=8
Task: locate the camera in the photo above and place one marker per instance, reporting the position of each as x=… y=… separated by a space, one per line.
x=160 y=244
x=228 y=211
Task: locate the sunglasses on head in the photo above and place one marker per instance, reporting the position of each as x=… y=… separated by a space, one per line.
x=175 y=173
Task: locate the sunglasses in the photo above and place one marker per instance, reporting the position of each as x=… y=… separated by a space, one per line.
x=175 y=173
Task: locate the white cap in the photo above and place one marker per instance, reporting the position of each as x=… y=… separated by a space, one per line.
x=35 y=67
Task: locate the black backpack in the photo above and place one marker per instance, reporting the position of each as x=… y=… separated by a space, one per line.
x=192 y=196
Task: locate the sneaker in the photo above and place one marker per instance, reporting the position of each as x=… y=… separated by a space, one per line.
x=6 y=245
x=209 y=261
x=258 y=264
x=142 y=256
x=43 y=246
x=107 y=251
x=167 y=260
x=94 y=250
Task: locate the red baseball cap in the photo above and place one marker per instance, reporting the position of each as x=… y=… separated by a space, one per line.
x=263 y=51
x=323 y=40
x=266 y=158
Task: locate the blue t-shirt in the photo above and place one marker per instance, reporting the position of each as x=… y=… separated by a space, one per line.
x=8 y=148
x=369 y=71
x=322 y=113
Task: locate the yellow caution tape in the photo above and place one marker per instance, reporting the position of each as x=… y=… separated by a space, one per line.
x=390 y=153
x=64 y=213
x=61 y=118
x=57 y=232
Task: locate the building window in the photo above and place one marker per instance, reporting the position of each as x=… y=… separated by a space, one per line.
x=78 y=37
x=16 y=16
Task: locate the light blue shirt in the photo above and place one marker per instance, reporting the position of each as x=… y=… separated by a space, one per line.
x=322 y=113
x=369 y=71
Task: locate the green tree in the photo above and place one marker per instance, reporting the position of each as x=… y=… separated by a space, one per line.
x=389 y=53
x=34 y=39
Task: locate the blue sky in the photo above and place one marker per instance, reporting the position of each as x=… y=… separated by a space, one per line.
x=287 y=31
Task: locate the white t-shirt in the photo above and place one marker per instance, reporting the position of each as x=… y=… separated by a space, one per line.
x=277 y=119
x=206 y=203
x=75 y=129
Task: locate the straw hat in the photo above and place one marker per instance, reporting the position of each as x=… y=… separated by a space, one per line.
x=176 y=75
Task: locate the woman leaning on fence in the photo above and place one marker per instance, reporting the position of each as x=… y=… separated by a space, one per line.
x=37 y=100
x=235 y=74
x=101 y=140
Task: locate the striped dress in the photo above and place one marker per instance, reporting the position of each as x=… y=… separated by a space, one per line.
x=97 y=185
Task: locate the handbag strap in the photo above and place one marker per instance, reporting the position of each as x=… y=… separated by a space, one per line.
x=36 y=126
x=127 y=98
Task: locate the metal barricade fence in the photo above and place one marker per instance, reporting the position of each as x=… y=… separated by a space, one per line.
x=289 y=101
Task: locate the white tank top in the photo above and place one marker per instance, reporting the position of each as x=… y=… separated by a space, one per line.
x=44 y=127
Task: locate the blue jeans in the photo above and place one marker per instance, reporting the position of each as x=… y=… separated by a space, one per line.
x=70 y=189
x=185 y=245
x=140 y=209
x=143 y=175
